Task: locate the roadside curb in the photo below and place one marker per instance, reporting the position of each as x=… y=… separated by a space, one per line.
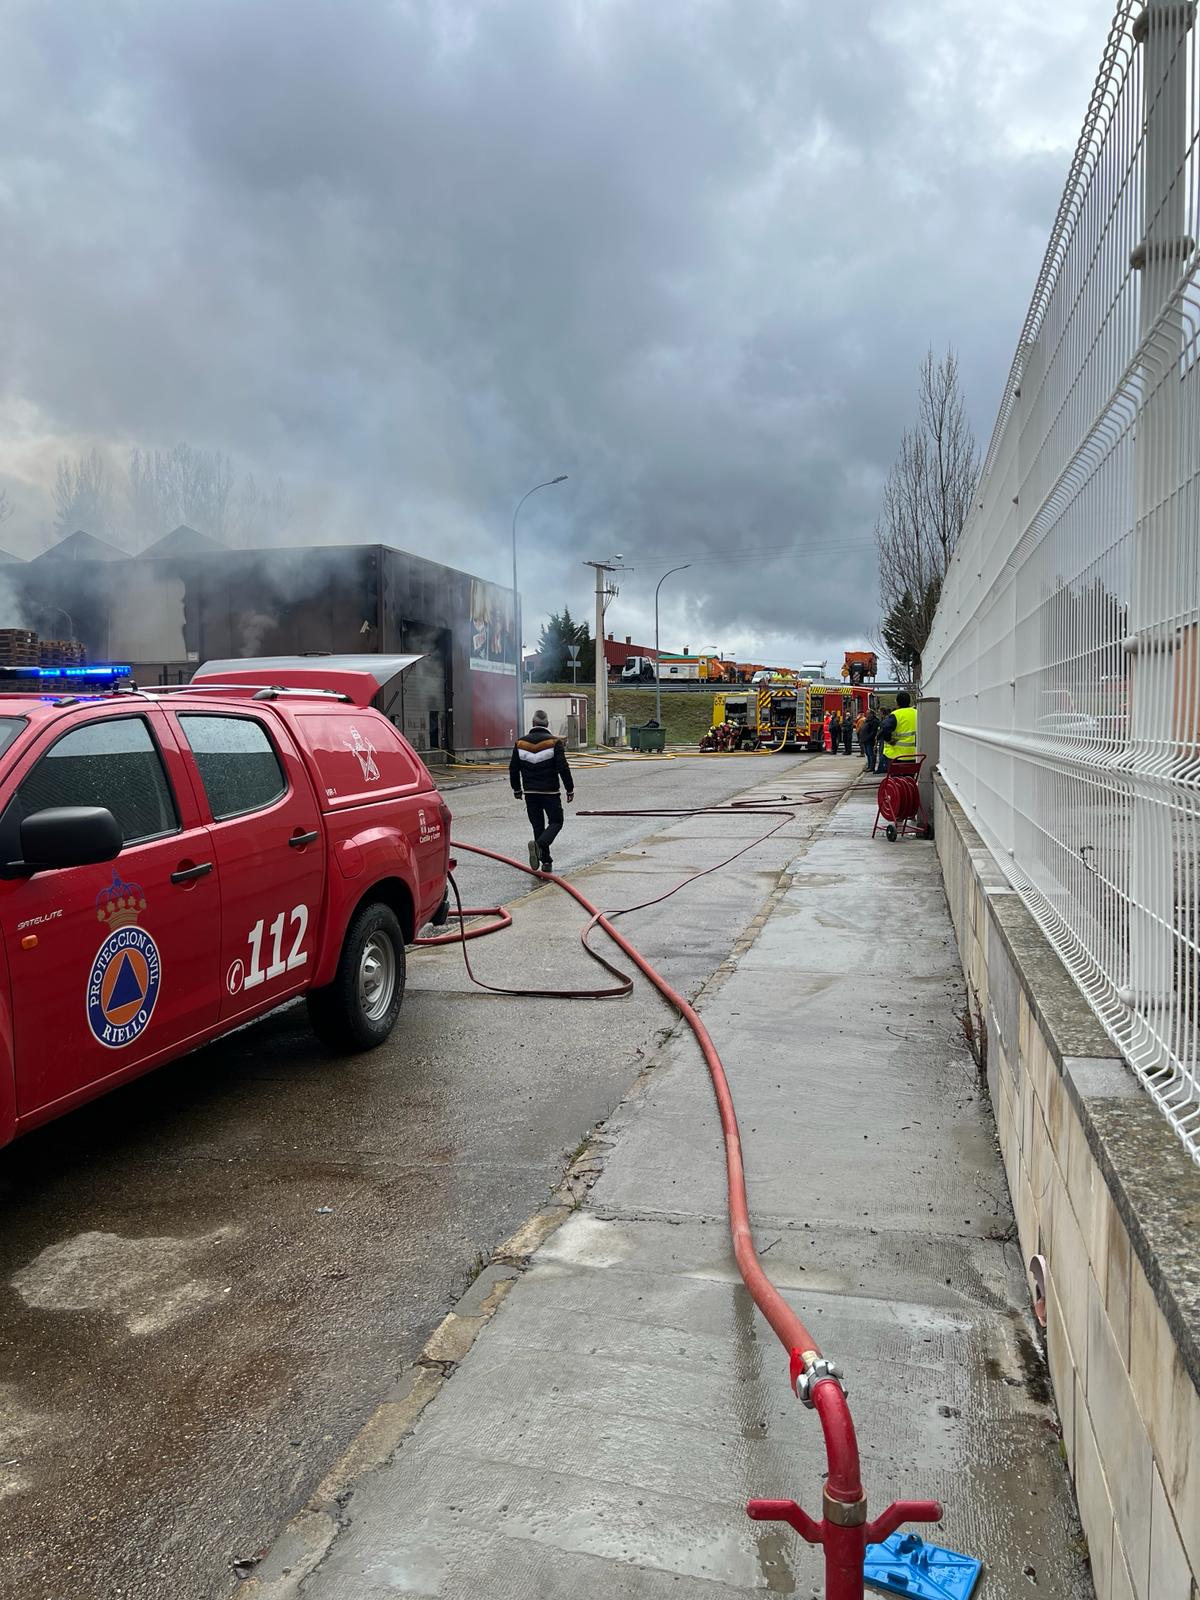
x=304 y=1541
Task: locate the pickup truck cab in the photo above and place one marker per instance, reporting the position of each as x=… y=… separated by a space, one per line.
x=176 y=863
x=637 y=669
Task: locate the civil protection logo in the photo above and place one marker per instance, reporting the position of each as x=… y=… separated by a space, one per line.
x=124 y=981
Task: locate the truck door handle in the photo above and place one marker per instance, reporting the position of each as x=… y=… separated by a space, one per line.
x=299 y=839
x=186 y=874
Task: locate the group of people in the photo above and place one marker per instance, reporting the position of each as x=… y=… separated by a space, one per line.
x=892 y=737
x=539 y=764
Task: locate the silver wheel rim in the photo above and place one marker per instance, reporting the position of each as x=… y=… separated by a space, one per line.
x=376 y=977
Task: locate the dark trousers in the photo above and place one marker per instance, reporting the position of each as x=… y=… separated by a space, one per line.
x=848 y=738
x=868 y=745
x=546 y=820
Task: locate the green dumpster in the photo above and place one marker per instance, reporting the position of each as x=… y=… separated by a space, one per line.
x=635 y=738
x=650 y=738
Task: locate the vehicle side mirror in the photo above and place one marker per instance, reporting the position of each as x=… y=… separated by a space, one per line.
x=67 y=836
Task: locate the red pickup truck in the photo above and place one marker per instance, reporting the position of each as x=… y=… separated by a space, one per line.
x=175 y=863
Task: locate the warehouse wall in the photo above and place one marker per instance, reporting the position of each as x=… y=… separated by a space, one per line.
x=181 y=609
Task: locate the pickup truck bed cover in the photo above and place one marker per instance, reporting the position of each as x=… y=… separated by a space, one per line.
x=359 y=678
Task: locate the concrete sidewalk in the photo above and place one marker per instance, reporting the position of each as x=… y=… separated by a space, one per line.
x=604 y=1432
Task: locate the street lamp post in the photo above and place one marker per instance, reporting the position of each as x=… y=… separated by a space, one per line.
x=520 y=718
x=657 y=671
x=66 y=615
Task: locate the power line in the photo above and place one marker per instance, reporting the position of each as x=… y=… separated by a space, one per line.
x=838 y=547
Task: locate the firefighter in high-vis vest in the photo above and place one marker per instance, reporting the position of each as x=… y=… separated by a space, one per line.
x=899 y=730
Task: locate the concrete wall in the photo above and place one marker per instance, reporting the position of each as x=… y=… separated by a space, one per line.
x=1105 y=1192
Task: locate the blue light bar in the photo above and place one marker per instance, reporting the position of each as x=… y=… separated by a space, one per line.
x=76 y=672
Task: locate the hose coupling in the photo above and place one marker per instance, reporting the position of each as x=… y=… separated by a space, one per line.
x=816 y=1369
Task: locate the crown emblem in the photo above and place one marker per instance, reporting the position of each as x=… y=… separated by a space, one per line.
x=120 y=903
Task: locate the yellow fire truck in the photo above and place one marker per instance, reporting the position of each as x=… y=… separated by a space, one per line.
x=787 y=716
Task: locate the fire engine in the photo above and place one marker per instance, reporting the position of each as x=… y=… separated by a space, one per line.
x=787 y=715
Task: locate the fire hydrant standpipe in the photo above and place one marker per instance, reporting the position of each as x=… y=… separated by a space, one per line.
x=843 y=1531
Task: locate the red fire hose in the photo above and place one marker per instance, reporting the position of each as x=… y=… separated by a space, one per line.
x=843 y=1531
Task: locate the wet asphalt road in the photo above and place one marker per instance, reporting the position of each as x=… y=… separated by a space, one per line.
x=210 y=1277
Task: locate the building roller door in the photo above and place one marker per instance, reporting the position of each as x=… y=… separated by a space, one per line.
x=417 y=704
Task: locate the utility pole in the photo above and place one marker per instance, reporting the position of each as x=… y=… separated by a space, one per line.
x=604 y=593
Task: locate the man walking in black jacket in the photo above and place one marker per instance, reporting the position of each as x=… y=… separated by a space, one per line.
x=538 y=761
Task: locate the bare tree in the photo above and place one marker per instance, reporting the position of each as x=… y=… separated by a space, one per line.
x=260 y=516
x=158 y=490
x=925 y=504
x=83 y=495
x=182 y=485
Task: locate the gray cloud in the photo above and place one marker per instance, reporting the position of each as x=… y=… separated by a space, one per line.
x=416 y=256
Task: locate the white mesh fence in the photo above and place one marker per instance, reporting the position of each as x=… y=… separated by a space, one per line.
x=1066 y=648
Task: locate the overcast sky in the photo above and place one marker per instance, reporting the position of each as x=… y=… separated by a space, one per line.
x=416 y=255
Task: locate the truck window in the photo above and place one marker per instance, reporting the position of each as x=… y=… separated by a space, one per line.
x=237 y=761
x=10 y=727
x=112 y=762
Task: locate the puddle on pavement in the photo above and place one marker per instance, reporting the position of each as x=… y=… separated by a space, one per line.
x=147 y=1282
x=773 y=1560
x=18 y=1425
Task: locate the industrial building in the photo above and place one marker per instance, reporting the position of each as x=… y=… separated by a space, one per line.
x=188 y=599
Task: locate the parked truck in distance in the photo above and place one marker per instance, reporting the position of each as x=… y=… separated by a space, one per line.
x=637 y=669
x=687 y=668
x=859 y=665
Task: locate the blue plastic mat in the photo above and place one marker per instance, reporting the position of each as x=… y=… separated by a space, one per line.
x=905 y=1564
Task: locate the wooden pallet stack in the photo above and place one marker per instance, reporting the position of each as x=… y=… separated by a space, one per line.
x=18 y=647
x=61 y=653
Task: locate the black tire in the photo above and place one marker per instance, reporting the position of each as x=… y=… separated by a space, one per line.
x=358 y=1010
x=891 y=833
